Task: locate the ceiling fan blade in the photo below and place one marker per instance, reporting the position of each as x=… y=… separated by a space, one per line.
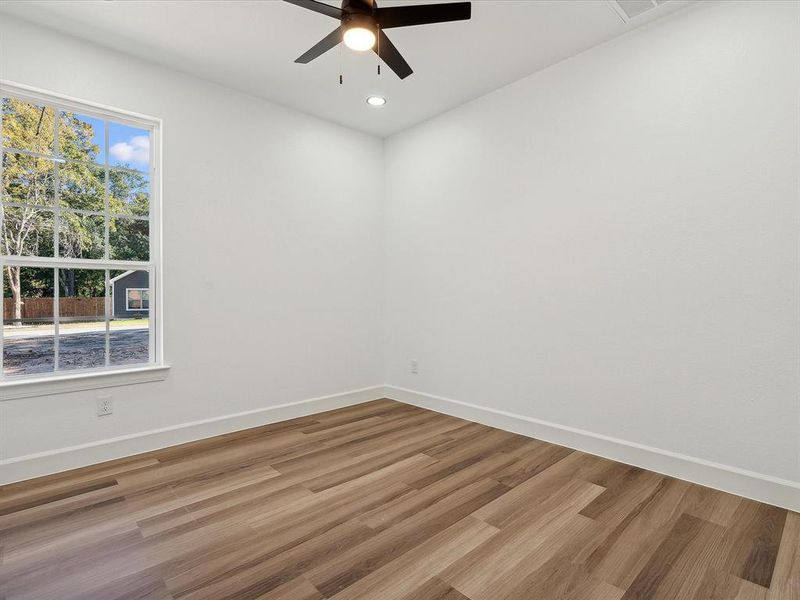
x=321 y=47
x=391 y=56
x=423 y=14
x=320 y=7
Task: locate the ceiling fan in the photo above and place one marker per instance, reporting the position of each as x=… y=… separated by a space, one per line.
x=362 y=25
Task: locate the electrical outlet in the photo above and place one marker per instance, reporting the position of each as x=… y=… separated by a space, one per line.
x=414 y=366
x=105 y=406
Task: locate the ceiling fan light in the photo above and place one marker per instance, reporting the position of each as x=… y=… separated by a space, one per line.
x=376 y=100
x=359 y=39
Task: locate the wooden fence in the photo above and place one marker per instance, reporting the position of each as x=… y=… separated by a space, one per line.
x=42 y=308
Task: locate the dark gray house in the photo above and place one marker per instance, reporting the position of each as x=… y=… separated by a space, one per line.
x=130 y=295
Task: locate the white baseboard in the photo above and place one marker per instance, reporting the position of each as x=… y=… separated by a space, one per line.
x=63 y=459
x=756 y=486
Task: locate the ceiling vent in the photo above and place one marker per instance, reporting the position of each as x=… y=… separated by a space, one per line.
x=630 y=9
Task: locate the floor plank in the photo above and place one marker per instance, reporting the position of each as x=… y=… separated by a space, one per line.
x=386 y=500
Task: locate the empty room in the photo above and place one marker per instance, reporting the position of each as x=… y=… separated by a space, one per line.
x=400 y=300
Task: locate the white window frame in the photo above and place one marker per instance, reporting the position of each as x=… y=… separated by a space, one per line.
x=111 y=375
x=128 y=299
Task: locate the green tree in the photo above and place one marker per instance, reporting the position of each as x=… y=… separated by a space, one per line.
x=29 y=184
x=28 y=181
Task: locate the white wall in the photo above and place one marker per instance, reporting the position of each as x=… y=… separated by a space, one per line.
x=611 y=244
x=272 y=254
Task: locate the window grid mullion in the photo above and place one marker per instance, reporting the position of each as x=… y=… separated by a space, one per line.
x=45 y=262
x=56 y=315
x=77 y=211
x=151 y=321
x=106 y=238
x=2 y=262
x=56 y=242
x=54 y=157
x=106 y=203
x=107 y=313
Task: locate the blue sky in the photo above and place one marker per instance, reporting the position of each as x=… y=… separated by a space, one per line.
x=128 y=146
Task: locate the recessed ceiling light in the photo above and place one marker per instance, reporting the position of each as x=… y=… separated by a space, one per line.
x=376 y=100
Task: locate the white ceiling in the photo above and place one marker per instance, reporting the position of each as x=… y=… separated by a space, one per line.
x=251 y=46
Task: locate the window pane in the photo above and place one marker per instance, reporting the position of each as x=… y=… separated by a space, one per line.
x=73 y=187
x=26 y=231
x=129 y=193
x=130 y=333
x=82 y=186
x=81 y=236
x=82 y=138
x=28 y=126
x=81 y=319
x=129 y=239
x=128 y=147
x=28 y=330
x=28 y=179
x=134 y=299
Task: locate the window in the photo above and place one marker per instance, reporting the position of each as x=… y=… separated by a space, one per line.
x=138 y=298
x=78 y=217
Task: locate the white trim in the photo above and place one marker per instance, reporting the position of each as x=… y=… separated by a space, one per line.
x=45 y=262
x=64 y=459
x=757 y=486
x=65 y=382
x=77 y=211
x=125 y=274
x=84 y=107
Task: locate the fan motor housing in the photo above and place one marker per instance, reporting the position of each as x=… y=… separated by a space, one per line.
x=363 y=7
x=360 y=20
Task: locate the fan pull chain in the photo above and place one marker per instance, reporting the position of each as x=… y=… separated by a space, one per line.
x=379 y=49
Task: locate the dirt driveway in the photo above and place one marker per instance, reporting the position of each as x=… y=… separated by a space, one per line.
x=26 y=355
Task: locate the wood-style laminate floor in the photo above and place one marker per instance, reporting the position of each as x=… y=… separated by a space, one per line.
x=384 y=501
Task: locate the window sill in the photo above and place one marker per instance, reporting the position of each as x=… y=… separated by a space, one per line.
x=78 y=382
